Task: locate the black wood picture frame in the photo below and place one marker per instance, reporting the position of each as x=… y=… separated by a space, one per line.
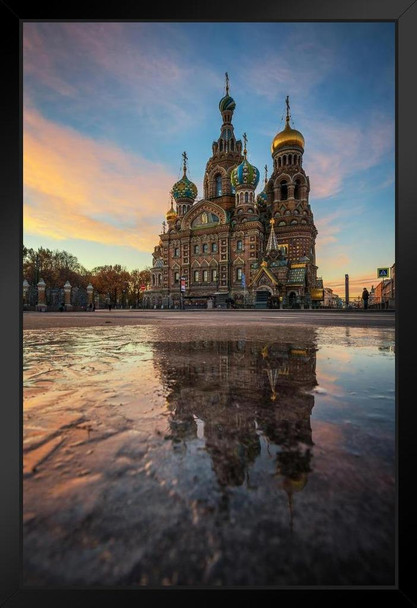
x=12 y=15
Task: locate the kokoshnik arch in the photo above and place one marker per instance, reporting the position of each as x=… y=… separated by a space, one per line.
x=258 y=250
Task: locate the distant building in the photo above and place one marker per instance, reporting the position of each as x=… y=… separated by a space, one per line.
x=327 y=298
x=232 y=246
x=383 y=295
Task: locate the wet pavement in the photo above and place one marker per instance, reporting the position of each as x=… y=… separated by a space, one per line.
x=215 y=456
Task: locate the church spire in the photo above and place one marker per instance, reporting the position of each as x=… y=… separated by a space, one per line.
x=272 y=244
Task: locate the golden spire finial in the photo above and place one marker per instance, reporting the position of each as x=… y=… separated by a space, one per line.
x=272 y=221
x=227 y=83
x=245 y=139
x=185 y=158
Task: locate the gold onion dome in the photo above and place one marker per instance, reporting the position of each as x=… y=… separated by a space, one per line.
x=171 y=213
x=288 y=136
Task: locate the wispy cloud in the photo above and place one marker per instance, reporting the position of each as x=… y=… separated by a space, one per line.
x=76 y=187
x=293 y=66
x=336 y=151
x=115 y=65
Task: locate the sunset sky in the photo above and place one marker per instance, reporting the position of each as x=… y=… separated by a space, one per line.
x=110 y=107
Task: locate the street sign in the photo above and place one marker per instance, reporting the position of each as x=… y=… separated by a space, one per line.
x=382 y=273
x=182 y=284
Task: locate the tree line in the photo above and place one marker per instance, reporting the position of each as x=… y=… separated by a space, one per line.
x=112 y=282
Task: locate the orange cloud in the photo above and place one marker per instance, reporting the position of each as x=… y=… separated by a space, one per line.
x=76 y=187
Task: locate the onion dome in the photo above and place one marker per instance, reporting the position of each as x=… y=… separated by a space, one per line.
x=184 y=188
x=245 y=174
x=227 y=102
x=171 y=214
x=262 y=198
x=288 y=136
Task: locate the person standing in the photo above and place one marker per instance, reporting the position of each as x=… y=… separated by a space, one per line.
x=365 y=296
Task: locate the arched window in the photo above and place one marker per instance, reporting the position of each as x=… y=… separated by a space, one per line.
x=205 y=247
x=218 y=185
x=290 y=159
x=297 y=189
x=196 y=276
x=221 y=145
x=205 y=276
x=246 y=197
x=284 y=190
x=284 y=159
x=159 y=279
x=214 y=247
x=214 y=274
x=176 y=277
x=239 y=245
x=153 y=279
x=232 y=145
x=238 y=274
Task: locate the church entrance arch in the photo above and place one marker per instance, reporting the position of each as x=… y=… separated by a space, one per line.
x=263 y=294
x=292 y=299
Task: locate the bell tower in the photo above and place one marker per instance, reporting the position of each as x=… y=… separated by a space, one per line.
x=288 y=189
x=227 y=153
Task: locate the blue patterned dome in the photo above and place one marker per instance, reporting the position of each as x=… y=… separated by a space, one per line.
x=245 y=174
x=227 y=103
x=262 y=198
x=184 y=188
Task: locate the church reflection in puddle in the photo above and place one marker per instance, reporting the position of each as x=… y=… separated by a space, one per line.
x=232 y=394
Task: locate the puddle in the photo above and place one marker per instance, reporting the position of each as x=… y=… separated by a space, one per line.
x=209 y=456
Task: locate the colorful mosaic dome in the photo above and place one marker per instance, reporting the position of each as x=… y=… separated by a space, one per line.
x=262 y=198
x=227 y=103
x=245 y=174
x=184 y=188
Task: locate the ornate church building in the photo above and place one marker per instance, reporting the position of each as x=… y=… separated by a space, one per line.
x=232 y=247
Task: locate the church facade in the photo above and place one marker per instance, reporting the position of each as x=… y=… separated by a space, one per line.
x=232 y=247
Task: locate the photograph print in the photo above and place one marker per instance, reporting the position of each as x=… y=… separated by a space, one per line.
x=209 y=304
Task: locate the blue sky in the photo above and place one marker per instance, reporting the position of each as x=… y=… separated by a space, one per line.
x=110 y=107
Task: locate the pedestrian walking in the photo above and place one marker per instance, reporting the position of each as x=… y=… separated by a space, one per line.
x=365 y=296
